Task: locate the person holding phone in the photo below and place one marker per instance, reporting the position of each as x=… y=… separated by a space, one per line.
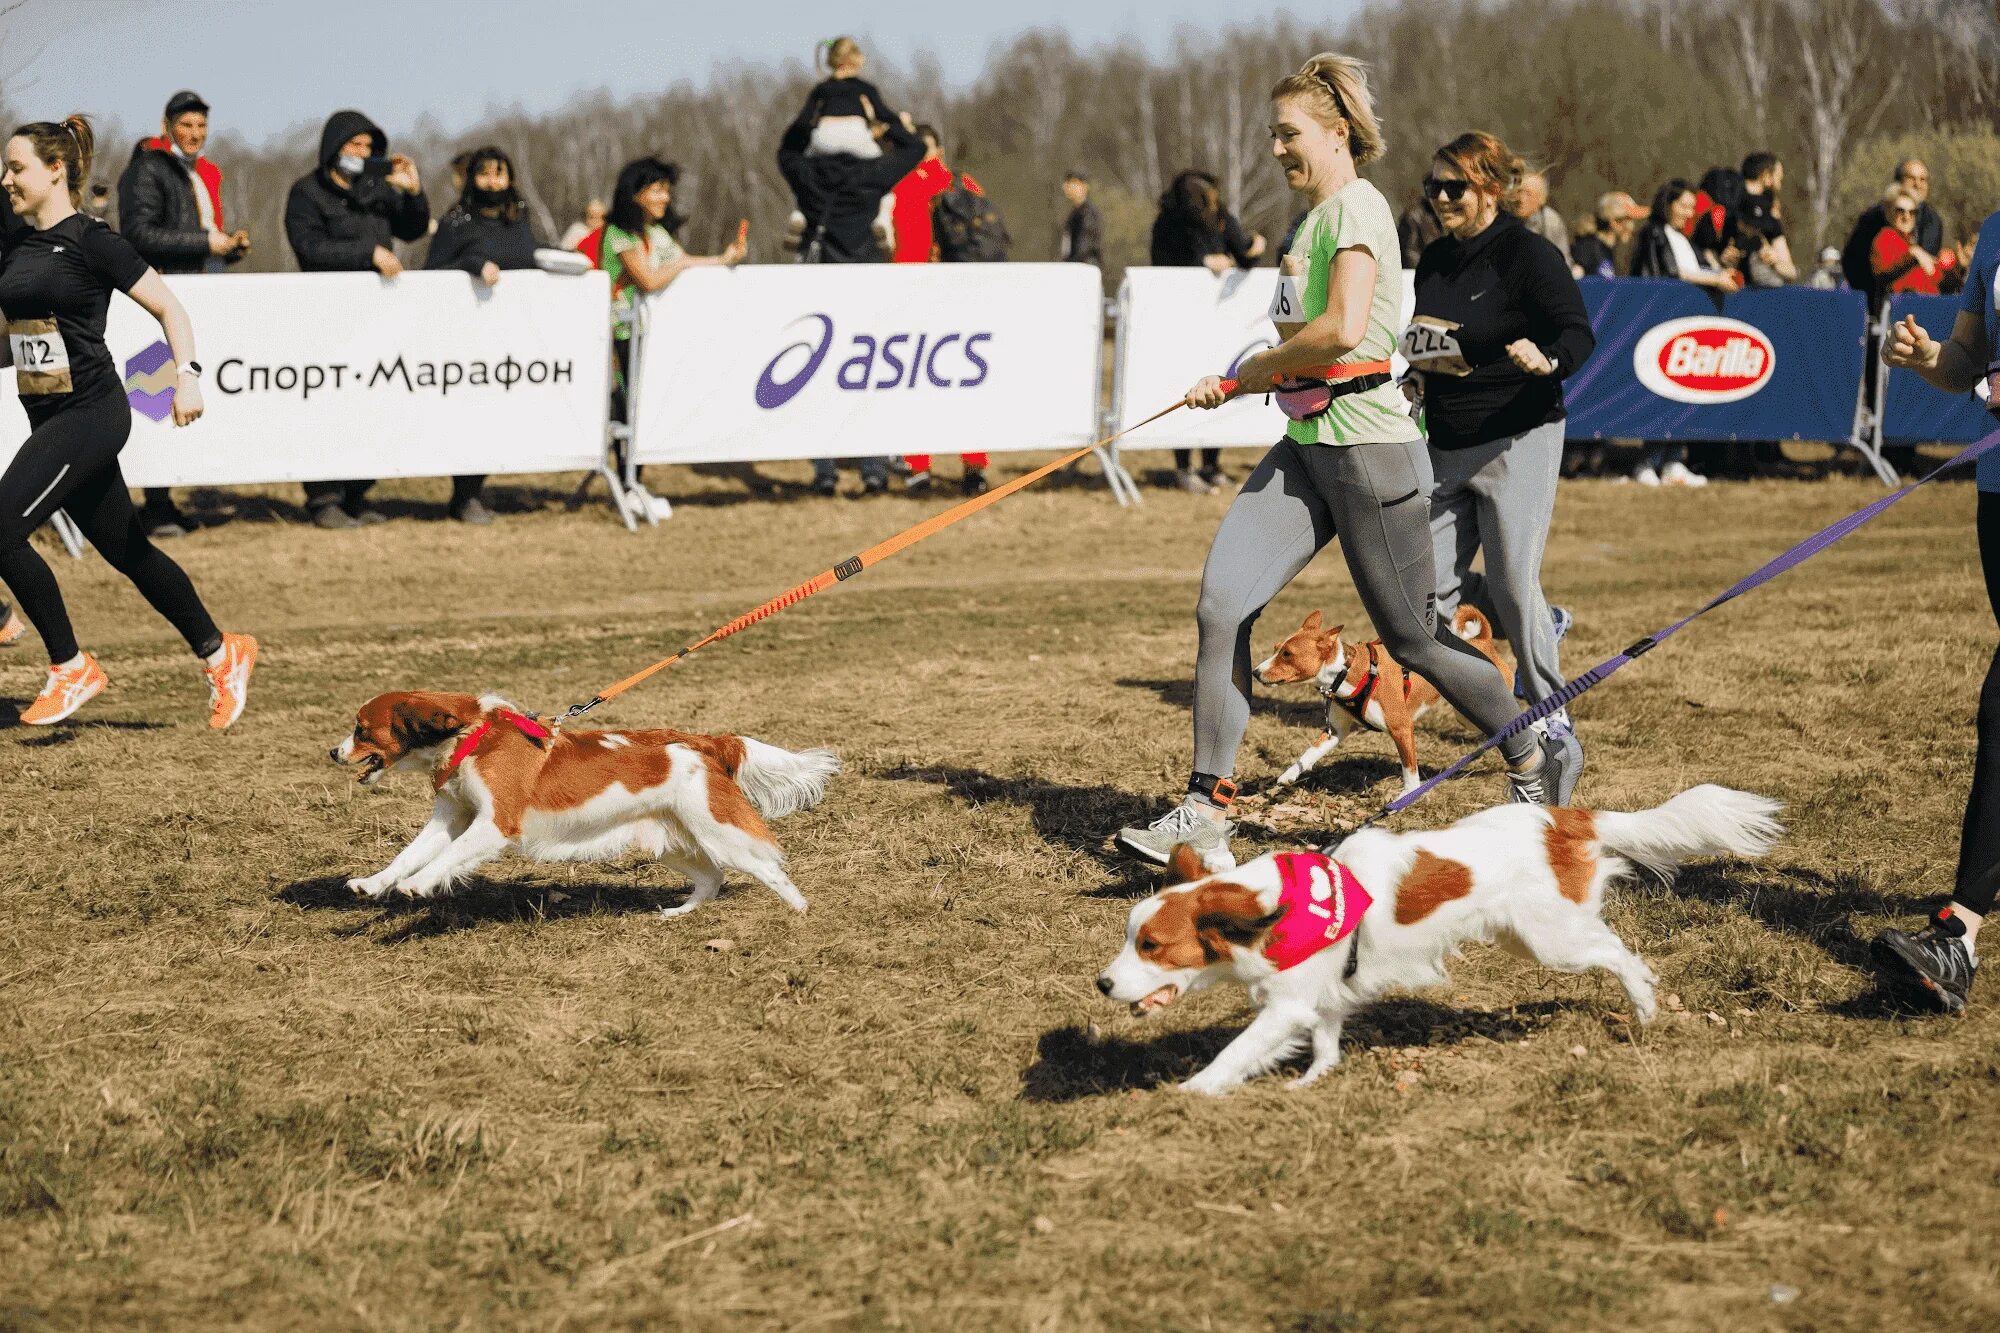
x=57 y=275
x=344 y=217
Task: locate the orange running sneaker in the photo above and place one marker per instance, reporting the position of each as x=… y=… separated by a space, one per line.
x=67 y=690
x=229 y=680
x=12 y=628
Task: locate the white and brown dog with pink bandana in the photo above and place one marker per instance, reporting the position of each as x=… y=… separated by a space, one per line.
x=1316 y=938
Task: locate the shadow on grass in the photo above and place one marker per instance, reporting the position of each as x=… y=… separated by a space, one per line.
x=1083 y=818
x=1180 y=693
x=1816 y=907
x=478 y=904
x=1070 y=1066
x=41 y=738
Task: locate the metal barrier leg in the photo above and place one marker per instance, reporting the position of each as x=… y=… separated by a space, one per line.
x=611 y=484
x=1867 y=434
x=1123 y=489
x=72 y=536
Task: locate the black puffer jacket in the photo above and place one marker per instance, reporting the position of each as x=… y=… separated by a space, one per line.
x=158 y=214
x=467 y=239
x=335 y=230
x=839 y=195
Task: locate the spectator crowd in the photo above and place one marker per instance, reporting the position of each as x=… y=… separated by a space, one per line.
x=871 y=184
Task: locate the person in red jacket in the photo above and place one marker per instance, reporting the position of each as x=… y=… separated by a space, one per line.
x=1898 y=262
x=911 y=213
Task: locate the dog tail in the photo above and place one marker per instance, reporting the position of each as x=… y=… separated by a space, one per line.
x=779 y=782
x=1470 y=624
x=1702 y=821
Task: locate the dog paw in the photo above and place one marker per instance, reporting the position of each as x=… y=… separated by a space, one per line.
x=1205 y=1086
x=418 y=888
x=669 y=913
x=370 y=887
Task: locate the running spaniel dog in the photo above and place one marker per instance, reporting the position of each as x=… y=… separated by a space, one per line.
x=1364 y=686
x=504 y=782
x=1316 y=939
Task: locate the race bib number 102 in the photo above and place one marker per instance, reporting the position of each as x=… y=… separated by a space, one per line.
x=41 y=358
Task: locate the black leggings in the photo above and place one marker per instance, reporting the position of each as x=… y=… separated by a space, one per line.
x=1979 y=842
x=70 y=462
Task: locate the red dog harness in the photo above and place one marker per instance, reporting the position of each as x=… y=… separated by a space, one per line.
x=522 y=723
x=1322 y=904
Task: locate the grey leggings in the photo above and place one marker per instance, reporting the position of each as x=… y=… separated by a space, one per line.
x=1501 y=496
x=1376 y=497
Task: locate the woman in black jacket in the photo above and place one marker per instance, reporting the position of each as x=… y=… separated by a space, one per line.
x=485 y=232
x=1499 y=324
x=1665 y=251
x=1193 y=228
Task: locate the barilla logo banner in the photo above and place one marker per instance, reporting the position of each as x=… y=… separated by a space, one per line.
x=773 y=361
x=1704 y=359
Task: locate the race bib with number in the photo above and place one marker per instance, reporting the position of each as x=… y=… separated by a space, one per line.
x=1431 y=345
x=41 y=359
x=1286 y=303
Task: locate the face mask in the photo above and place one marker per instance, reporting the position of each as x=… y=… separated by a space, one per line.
x=487 y=198
x=349 y=165
x=185 y=157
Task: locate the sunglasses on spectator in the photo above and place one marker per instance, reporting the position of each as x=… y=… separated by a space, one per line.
x=1451 y=191
x=1904 y=213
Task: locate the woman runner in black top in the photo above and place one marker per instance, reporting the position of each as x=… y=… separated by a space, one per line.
x=56 y=279
x=1499 y=323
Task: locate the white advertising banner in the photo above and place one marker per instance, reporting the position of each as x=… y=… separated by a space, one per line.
x=847 y=360
x=326 y=376
x=1179 y=324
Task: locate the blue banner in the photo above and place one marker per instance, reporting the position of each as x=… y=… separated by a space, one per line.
x=1912 y=411
x=1672 y=364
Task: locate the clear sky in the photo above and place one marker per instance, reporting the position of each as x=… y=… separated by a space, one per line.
x=266 y=65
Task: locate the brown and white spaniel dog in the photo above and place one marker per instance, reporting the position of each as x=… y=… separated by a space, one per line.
x=504 y=782
x=1363 y=685
x=1317 y=938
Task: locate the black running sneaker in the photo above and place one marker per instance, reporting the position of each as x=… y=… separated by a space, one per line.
x=1935 y=959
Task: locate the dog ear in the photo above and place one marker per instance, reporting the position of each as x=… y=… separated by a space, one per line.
x=1184 y=865
x=1229 y=915
x=1332 y=636
x=427 y=718
x=1313 y=622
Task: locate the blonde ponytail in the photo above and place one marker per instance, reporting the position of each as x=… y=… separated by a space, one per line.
x=1334 y=88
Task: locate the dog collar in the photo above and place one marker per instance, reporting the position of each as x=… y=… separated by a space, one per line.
x=1321 y=904
x=521 y=722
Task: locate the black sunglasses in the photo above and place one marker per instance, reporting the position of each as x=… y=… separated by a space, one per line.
x=1451 y=191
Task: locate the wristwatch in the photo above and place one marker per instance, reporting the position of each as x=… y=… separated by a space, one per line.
x=192 y=369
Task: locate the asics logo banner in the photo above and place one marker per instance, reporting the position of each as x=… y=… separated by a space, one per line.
x=873 y=362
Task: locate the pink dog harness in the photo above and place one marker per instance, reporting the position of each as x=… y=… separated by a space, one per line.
x=1322 y=904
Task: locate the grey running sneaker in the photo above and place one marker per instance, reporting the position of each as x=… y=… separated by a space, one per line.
x=1561 y=742
x=1935 y=959
x=1182 y=824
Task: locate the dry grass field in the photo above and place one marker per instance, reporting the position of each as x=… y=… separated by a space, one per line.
x=232 y=1096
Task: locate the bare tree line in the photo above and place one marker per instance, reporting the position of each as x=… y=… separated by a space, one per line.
x=1600 y=93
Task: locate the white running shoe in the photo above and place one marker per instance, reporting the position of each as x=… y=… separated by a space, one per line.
x=1679 y=474
x=1645 y=476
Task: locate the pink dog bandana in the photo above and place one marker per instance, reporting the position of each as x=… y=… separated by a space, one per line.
x=1322 y=903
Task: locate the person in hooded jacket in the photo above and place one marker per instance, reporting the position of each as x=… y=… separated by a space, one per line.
x=170 y=209
x=342 y=217
x=484 y=233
